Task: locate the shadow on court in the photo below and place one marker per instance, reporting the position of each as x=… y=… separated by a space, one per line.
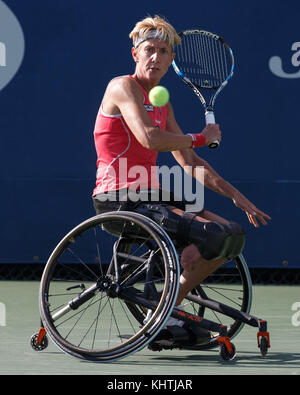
x=22 y=320
x=243 y=359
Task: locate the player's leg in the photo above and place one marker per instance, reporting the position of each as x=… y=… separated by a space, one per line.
x=196 y=268
x=199 y=270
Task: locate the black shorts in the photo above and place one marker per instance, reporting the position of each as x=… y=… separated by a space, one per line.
x=157 y=205
x=121 y=200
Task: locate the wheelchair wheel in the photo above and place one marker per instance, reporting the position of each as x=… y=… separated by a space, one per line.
x=97 y=274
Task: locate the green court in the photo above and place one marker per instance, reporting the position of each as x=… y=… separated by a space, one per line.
x=276 y=304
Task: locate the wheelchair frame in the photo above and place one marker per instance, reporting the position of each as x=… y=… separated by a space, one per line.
x=143 y=274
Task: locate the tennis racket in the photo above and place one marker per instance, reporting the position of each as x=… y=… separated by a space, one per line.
x=205 y=62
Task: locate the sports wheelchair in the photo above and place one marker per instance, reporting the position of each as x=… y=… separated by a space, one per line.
x=110 y=286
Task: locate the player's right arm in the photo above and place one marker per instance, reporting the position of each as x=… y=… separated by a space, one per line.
x=189 y=160
x=123 y=95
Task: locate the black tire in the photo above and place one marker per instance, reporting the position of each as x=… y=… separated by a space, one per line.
x=38 y=346
x=225 y=354
x=84 y=305
x=263 y=345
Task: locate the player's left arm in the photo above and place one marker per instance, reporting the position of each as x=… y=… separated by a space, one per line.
x=189 y=161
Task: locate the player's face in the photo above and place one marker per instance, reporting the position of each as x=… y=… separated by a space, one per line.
x=153 y=58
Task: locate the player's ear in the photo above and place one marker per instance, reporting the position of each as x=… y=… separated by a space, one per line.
x=172 y=57
x=134 y=53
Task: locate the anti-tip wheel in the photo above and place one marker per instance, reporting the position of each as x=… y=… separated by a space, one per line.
x=38 y=346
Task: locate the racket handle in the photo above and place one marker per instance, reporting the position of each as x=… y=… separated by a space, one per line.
x=210 y=119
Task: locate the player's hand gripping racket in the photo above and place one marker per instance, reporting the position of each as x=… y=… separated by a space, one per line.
x=205 y=62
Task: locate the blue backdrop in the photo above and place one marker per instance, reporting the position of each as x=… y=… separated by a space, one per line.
x=47 y=114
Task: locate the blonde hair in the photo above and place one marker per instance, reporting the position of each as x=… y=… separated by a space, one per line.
x=157 y=25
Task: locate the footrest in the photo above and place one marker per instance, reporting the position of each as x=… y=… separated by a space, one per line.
x=197 y=335
x=173 y=336
x=180 y=337
x=169 y=338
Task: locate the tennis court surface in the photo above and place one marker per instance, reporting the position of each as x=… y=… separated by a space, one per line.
x=279 y=305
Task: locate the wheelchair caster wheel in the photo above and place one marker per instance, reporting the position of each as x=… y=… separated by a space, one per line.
x=227 y=355
x=264 y=345
x=263 y=340
x=36 y=345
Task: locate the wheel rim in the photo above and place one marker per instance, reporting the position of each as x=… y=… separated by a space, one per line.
x=98 y=328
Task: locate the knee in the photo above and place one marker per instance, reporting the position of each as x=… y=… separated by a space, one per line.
x=215 y=240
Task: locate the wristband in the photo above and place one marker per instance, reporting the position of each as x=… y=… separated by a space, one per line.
x=198 y=140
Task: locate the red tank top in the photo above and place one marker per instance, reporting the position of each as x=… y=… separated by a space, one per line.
x=122 y=162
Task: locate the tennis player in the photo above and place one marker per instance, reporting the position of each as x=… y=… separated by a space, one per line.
x=129 y=129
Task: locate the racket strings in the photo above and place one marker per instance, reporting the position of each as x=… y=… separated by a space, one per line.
x=204 y=60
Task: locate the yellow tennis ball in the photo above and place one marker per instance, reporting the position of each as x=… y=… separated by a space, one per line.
x=159 y=96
